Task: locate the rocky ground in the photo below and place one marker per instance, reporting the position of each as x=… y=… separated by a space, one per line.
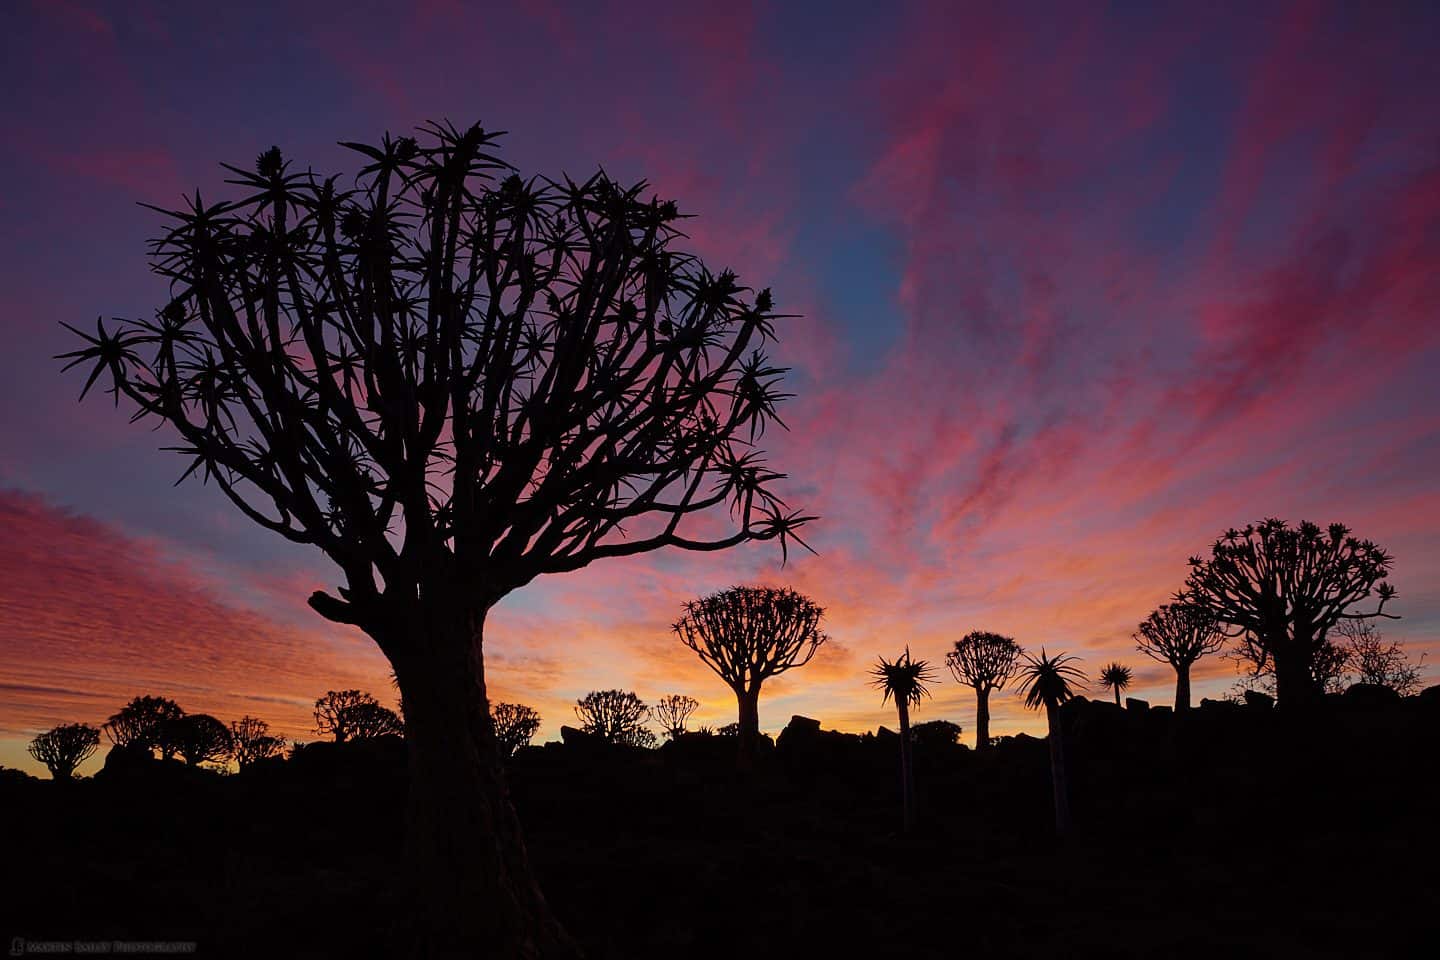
x=1232 y=830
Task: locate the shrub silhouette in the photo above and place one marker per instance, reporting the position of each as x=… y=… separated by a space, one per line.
x=64 y=748
x=145 y=723
x=1117 y=677
x=1281 y=589
x=253 y=742
x=935 y=734
x=1376 y=662
x=907 y=681
x=1045 y=682
x=1179 y=634
x=337 y=345
x=200 y=738
x=673 y=712
x=615 y=716
x=515 y=725
x=367 y=721
x=748 y=635
x=985 y=661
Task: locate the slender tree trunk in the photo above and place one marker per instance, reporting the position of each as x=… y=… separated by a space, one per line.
x=468 y=870
x=1058 y=782
x=907 y=770
x=1182 y=686
x=982 y=718
x=749 y=739
x=1117 y=696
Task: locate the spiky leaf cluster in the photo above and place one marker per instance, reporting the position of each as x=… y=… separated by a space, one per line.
x=441 y=366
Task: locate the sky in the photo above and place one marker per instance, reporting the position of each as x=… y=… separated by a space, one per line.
x=1080 y=287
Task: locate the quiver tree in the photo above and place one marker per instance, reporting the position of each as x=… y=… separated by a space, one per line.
x=338 y=710
x=366 y=721
x=1281 y=589
x=1179 y=634
x=615 y=716
x=1117 y=677
x=747 y=635
x=1045 y=681
x=200 y=738
x=252 y=741
x=146 y=723
x=64 y=748
x=907 y=681
x=985 y=661
x=515 y=725
x=452 y=379
x=673 y=713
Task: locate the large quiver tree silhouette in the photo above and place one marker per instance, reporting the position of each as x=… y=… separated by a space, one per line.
x=985 y=661
x=1179 y=634
x=64 y=748
x=1046 y=681
x=1281 y=589
x=747 y=635
x=145 y=723
x=452 y=380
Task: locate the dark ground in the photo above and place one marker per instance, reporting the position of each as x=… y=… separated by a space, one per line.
x=1235 y=831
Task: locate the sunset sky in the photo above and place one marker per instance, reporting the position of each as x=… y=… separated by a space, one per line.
x=1079 y=292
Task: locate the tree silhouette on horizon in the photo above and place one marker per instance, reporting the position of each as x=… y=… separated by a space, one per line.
x=1045 y=682
x=1117 y=677
x=65 y=747
x=907 y=682
x=452 y=379
x=515 y=725
x=201 y=738
x=1179 y=634
x=1376 y=661
x=145 y=723
x=985 y=661
x=615 y=716
x=673 y=713
x=747 y=635
x=253 y=741
x=1281 y=589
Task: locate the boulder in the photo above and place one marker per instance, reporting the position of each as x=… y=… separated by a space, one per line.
x=574 y=737
x=1136 y=705
x=799 y=731
x=1258 y=700
x=127 y=761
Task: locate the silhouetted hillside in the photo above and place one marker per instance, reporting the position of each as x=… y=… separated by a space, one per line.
x=1237 y=830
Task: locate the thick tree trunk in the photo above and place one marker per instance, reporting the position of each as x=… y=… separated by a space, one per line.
x=907 y=771
x=468 y=870
x=1294 y=687
x=1182 y=686
x=982 y=719
x=749 y=723
x=1058 y=781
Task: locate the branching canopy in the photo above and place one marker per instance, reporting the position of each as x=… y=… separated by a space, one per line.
x=446 y=369
x=673 y=712
x=984 y=660
x=64 y=748
x=515 y=725
x=616 y=716
x=1280 y=586
x=200 y=738
x=748 y=634
x=1179 y=633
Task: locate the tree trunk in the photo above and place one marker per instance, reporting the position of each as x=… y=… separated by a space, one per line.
x=982 y=719
x=1294 y=687
x=468 y=870
x=1117 y=696
x=907 y=771
x=749 y=732
x=1058 y=782
x=1182 y=686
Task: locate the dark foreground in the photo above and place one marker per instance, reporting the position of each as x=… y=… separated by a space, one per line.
x=1235 y=831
